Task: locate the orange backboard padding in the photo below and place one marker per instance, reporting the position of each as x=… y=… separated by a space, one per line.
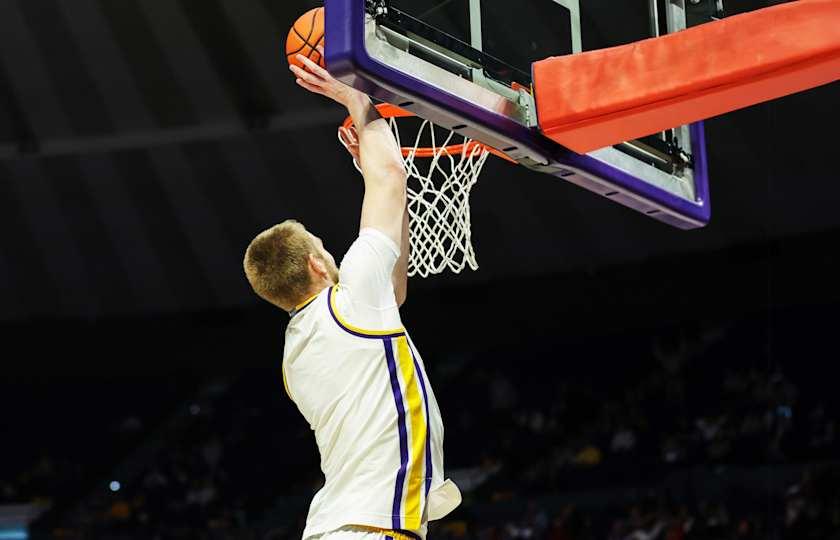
x=599 y=98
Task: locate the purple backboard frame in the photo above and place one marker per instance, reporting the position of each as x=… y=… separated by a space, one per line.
x=348 y=60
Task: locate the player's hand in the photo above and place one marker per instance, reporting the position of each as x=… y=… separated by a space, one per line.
x=318 y=80
x=350 y=139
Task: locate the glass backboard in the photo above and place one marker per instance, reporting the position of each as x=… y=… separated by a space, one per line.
x=466 y=66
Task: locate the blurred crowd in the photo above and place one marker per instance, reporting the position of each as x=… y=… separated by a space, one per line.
x=217 y=466
x=73 y=431
x=239 y=462
x=35 y=483
x=809 y=510
x=746 y=417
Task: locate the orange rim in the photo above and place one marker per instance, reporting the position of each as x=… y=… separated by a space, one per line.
x=392 y=111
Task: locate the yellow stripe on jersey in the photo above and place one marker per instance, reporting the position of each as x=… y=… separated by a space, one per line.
x=396 y=535
x=355 y=329
x=417 y=447
x=307 y=301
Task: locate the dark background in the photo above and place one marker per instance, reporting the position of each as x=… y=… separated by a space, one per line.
x=157 y=228
x=144 y=143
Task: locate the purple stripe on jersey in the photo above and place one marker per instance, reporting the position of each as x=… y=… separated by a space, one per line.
x=421 y=377
x=353 y=332
x=398 y=400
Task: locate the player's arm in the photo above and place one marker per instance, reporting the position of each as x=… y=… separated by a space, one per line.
x=350 y=140
x=383 y=207
x=380 y=159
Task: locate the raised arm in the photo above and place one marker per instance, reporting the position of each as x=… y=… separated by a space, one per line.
x=384 y=204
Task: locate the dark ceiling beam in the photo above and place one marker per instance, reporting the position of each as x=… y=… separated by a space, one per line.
x=205 y=246
x=269 y=201
x=15 y=126
x=70 y=79
x=188 y=192
x=102 y=59
x=58 y=249
x=22 y=262
x=124 y=215
x=76 y=294
x=224 y=46
x=200 y=223
x=28 y=75
x=156 y=137
x=265 y=44
x=189 y=60
x=106 y=65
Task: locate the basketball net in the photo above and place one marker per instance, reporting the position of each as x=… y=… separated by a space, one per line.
x=440 y=178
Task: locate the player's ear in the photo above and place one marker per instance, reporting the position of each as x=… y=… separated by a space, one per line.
x=316 y=264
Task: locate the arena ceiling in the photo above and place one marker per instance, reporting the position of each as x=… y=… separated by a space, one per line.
x=144 y=142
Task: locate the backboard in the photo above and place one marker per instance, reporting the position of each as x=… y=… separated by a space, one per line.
x=465 y=65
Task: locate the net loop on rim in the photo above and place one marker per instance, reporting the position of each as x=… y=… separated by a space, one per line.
x=440 y=179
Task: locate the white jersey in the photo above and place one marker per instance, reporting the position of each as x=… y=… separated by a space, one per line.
x=356 y=377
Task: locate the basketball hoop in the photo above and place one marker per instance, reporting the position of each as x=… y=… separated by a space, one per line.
x=439 y=186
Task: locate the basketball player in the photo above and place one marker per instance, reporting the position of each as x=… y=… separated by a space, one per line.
x=348 y=363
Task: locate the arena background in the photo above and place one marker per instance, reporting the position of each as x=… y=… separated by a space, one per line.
x=601 y=376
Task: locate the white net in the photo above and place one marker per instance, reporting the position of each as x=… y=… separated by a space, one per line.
x=439 y=186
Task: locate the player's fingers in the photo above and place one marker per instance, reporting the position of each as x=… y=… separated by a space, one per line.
x=353 y=151
x=299 y=71
x=313 y=67
x=305 y=75
x=353 y=134
x=350 y=135
x=342 y=135
x=311 y=87
x=348 y=139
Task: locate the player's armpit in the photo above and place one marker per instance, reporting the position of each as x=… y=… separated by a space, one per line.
x=366 y=270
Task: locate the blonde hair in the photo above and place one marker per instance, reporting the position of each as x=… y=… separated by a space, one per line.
x=277 y=264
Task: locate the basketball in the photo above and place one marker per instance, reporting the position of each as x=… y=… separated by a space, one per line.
x=306 y=34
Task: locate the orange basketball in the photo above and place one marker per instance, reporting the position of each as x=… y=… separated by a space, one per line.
x=306 y=34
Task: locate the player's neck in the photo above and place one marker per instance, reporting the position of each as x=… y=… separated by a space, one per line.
x=314 y=291
x=318 y=286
